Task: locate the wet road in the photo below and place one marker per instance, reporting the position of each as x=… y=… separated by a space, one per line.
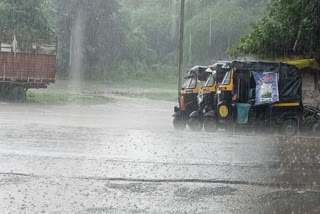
x=115 y=159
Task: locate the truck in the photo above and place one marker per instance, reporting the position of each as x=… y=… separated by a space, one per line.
x=26 y=62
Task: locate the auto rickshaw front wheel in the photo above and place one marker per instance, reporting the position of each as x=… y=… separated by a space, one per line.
x=195 y=124
x=210 y=124
x=178 y=123
x=316 y=128
x=290 y=127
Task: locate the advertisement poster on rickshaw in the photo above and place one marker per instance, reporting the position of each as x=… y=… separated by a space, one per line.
x=266 y=87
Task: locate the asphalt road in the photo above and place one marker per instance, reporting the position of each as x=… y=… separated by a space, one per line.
x=125 y=157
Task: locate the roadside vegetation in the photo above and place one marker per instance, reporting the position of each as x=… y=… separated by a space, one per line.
x=124 y=39
x=117 y=41
x=291 y=28
x=160 y=95
x=101 y=92
x=51 y=98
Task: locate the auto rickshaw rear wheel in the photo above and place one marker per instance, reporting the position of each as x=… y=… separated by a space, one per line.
x=210 y=124
x=195 y=124
x=316 y=128
x=178 y=123
x=289 y=127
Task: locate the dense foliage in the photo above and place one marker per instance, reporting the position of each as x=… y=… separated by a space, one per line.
x=118 y=39
x=218 y=26
x=292 y=27
x=28 y=17
x=90 y=35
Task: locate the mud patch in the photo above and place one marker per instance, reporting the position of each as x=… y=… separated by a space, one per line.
x=11 y=179
x=204 y=192
x=102 y=210
x=133 y=187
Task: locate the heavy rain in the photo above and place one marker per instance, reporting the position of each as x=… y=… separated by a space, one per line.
x=171 y=106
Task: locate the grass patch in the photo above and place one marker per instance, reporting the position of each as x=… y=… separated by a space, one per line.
x=49 y=98
x=147 y=84
x=166 y=91
x=165 y=96
x=155 y=90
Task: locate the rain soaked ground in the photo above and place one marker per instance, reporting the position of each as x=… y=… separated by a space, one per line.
x=125 y=157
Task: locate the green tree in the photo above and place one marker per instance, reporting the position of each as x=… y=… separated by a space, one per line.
x=218 y=27
x=292 y=27
x=153 y=28
x=139 y=38
x=27 y=17
x=99 y=30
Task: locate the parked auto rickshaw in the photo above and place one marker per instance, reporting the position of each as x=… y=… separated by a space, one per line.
x=258 y=94
x=207 y=96
x=188 y=96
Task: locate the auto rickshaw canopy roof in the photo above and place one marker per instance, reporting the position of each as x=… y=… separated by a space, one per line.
x=198 y=71
x=289 y=76
x=220 y=68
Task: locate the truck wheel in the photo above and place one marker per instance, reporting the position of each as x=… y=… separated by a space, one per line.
x=290 y=127
x=18 y=95
x=179 y=124
x=210 y=124
x=195 y=124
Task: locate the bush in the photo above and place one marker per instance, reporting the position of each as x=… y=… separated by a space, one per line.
x=143 y=71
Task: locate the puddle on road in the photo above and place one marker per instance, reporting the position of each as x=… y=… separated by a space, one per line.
x=110 y=210
x=204 y=192
x=133 y=187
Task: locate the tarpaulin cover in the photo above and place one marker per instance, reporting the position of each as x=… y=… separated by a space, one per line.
x=289 y=77
x=242 y=112
x=304 y=63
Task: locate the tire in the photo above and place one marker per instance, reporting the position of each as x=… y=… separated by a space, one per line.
x=18 y=95
x=179 y=124
x=195 y=124
x=289 y=127
x=210 y=124
x=316 y=128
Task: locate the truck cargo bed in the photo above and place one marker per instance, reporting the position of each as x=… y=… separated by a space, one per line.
x=26 y=61
x=27 y=67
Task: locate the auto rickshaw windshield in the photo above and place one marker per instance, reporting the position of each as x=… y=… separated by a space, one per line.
x=209 y=82
x=190 y=83
x=227 y=78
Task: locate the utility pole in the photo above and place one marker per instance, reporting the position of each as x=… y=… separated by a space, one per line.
x=190 y=49
x=210 y=30
x=181 y=44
